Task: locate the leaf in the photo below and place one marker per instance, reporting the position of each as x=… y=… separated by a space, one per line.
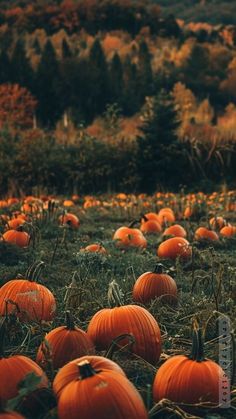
x=26 y=386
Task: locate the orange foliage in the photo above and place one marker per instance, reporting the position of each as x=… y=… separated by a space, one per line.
x=111 y=43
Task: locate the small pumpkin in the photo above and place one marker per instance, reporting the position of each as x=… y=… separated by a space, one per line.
x=26 y=298
x=69 y=372
x=109 y=323
x=18 y=237
x=126 y=237
x=151 y=285
x=203 y=233
x=66 y=343
x=228 y=231
x=175 y=230
x=95 y=248
x=150 y=226
x=101 y=394
x=190 y=379
x=217 y=222
x=173 y=248
x=69 y=219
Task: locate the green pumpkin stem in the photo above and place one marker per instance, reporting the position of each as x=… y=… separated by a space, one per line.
x=114 y=295
x=197 y=352
x=70 y=325
x=33 y=272
x=86 y=370
x=158 y=268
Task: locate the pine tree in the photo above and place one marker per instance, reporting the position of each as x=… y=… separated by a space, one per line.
x=158 y=145
x=130 y=100
x=66 y=51
x=116 y=80
x=22 y=72
x=5 y=68
x=48 y=87
x=145 y=76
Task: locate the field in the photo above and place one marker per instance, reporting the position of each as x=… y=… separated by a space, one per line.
x=79 y=280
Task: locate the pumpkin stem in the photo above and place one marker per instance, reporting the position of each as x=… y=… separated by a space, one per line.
x=158 y=268
x=197 y=353
x=114 y=295
x=144 y=217
x=69 y=321
x=33 y=272
x=86 y=370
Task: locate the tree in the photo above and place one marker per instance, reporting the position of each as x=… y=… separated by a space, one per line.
x=47 y=87
x=158 y=145
x=17 y=107
x=21 y=69
x=66 y=51
x=116 y=80
x=5 y=68
x=130 y=98
x=145 y=76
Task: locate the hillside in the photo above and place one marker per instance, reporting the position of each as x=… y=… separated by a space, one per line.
x=211 y=11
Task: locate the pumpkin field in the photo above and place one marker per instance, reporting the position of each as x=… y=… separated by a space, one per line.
x=118 y=306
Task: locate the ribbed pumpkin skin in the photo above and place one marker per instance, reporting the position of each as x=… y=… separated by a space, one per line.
x=173 y=248
x=13 y=370
x=175 y=230
x=129 y=237
x=183 y=380
x=107 y=324
x=35 y=301
x=151 y=227
x=205 y=234
x=19 y=238
x=228 y=231
x=106 y=395
x=69 y=372
x=151 y=285
x=66 y=345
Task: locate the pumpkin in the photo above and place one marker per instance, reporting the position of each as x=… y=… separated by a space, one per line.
x=126 y=237
x=151 y=285
x=29 y=300
x=101 y=394
x=18 y=237
x=69 y=219
x=14 y=369
x=66 y=343
x=95 y=248
x=175 y=230
x=217 y=222
x=11 y=415
x=69 y=372
x=228 y=231
x=15 y=223
x=190 y=379
x=68 y=203
x=150 y=216
x=173 y=248
x=166 y=215
x=150 y=226
x=109 y=323
x=203 y=233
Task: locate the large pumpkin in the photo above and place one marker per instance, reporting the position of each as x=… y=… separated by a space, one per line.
x=192 y=379
x=69 y=372
x=66 y=343
x=109 y=323
x=29 y=300
x=18 y=237
x=100 y=394
x=151 y=285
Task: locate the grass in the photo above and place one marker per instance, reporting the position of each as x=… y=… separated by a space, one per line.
x=206 y=288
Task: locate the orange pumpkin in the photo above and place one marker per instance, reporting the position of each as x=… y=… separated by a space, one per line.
x=69 y=219
x=175 y=230
x=66 y=343
x=69 y=372
x=26 y=298
x=228 y=231
x=203 y=233
x=11 y=415
x=150 y=226
x=126 y=237
x=193 y=379
x=109 y=323
x=102 y=394
x=18 y=237
x=95 y=248
x=151 y=285
x=173 y=248
x=217 y=222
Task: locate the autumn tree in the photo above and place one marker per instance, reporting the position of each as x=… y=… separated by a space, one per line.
x=17 y=107
x=116 y=80
x=145 y=77
x=5 y=68
x=22 y=72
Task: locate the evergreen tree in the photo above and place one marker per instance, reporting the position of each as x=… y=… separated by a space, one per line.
x=158 y=146
x=66 y=51
x=98 y=94
x=116 y=80
x=5 y=68
x=22 y=72
x=37 y=47
x=48 y=87
x=131 y=103
x=145 y=76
